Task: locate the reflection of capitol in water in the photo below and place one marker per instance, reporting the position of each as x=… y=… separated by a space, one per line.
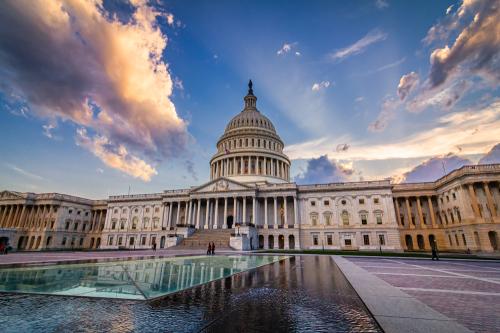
x=250 y=195
x=139 y=279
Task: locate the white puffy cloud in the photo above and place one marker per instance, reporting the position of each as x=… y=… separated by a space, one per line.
x=317 y=86
x=286 y=48
x=72 y=60
x=359 y=46
x=116 y=157
x=381 y=4
x=407 y=83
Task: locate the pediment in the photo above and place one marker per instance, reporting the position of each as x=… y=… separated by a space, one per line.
x=221 y=185
x=10 y=195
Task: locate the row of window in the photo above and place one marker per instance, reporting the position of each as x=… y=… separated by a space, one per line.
x=363 y=217
x=135 y=223
x=76 y=224
x=252 y=143
x=361 y=201
x=136 y=210
x=131 y=240
x=347 y=241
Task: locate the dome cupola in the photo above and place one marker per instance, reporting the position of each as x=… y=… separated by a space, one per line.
x=250 y=150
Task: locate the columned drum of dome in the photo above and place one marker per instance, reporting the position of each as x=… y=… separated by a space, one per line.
x=250 y=150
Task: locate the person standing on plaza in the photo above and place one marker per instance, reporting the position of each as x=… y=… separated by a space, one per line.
x=213 y=248
x=434 y=251
x=209 y=250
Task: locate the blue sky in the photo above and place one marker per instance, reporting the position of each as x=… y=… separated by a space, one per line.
x=365 y=89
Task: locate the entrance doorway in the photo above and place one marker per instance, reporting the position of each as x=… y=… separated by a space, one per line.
x=281 y=241
x=261 y=241
x=162 y=242
x=409 y=242
x=229 y=221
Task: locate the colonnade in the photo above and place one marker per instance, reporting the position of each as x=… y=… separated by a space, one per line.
x=250 y=165
x=235 y=206
x=27 y=216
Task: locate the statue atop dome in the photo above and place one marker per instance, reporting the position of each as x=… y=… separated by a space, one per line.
x=250 y=85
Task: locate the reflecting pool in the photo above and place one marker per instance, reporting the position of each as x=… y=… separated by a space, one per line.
x=133 y=279
x=298 y=294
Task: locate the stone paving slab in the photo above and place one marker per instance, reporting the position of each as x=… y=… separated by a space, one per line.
x=463 y=290
x=393 y=309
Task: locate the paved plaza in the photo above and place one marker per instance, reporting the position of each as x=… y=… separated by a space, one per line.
x=465 y=291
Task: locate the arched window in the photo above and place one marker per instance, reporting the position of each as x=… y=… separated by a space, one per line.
x=378 y=216
x=134 y=222
x=327 y=216
x=363 y=216
x=314 y=219
x=145 y=222
x=345 y=217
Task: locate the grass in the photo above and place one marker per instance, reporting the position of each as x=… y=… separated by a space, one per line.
x=379 y=254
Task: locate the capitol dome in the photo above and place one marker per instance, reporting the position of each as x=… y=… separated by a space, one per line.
x=250 y=150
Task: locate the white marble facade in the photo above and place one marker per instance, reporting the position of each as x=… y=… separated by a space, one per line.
x=250 y=191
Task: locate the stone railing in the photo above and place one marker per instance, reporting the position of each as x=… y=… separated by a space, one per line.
x=136 y=196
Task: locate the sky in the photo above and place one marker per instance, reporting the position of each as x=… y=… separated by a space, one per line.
x=99 y=98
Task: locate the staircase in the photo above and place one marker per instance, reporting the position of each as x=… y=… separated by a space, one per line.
x=201 y=238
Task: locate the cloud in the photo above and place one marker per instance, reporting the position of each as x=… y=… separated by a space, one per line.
x=320 y=85
x=359 y=99
x=190 y=170
x=476 y=49
x=88 y=67
x=449 y=9
x=359 y=46
x=388 y=112
x=47 y=130
x=116 y=157
x=322 y=170
x=381 y=4
x=472 y=130
x=24 y=172
x=434 y=168
x=287 y=47
x=342 y=147
x=491 y=157
x=178 y=83
x=444 y=98
x=407 y=83
x=170 y=19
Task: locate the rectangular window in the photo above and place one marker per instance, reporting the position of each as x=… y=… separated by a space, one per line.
x=326 y=203
x=366 y=239
x=315 y=240
x=381 y=239
x=113 y=225
x=327 y=219
x=81 y=241
x=364 y=219
x=63 y=241
x=378 y=216
x=120 y=240
x=361 y=201
x=376 y=200
x=66 y=226
x=110 y=240
x=76 y=226
x=329 y=239
x=313 y=203
x=347 y=242
x=143 y=240
x=157 y=209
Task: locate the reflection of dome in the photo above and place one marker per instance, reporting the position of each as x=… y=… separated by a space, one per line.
x=250 y=150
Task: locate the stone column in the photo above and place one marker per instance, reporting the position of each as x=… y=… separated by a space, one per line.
x=241 y=165
x=285 y=212
x=408 y=211
x=473 y=199
x=206 y=213
x=224 y=223
x=177 y=217
x=170 y=210
x=489 y=198
x=12 y=216
x=4 y=215
x=295 y=214
x=431 y=212
x=265 y=167
x=190 y=207
x=216 y=214
x=257 y=169
x=420 y=215
x=198 y=206
x=398 y=213
x=254 y=211
x=266 y=225
x=244 y=218
x=275 y=213
x=234 y=210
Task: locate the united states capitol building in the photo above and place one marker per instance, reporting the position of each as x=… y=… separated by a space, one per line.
x=250 y=203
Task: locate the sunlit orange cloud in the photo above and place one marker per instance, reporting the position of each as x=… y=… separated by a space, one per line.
x=100 y=73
